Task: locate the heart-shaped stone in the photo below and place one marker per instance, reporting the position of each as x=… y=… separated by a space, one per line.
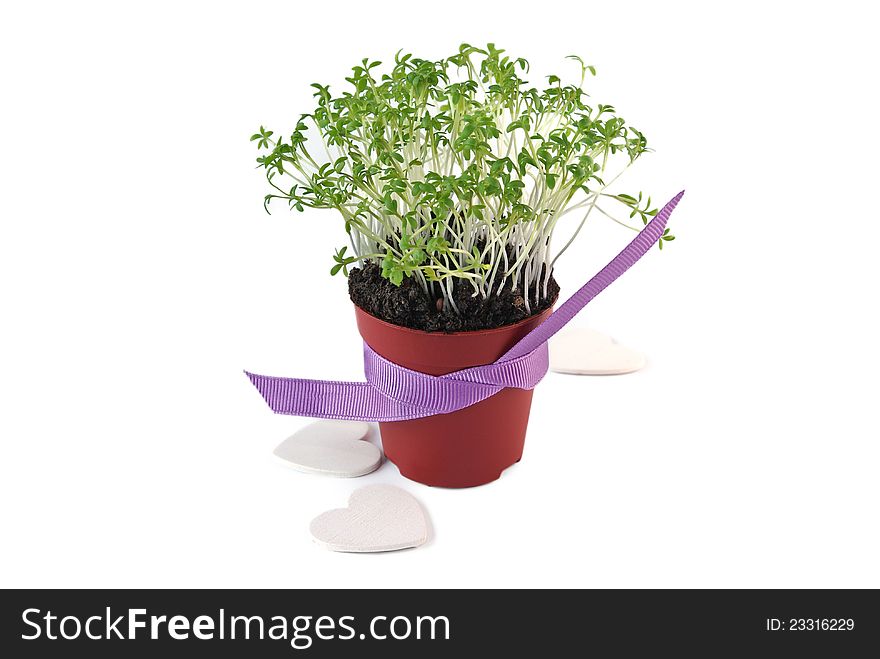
x=331 y=448
x=588 y=352
x=378 y=518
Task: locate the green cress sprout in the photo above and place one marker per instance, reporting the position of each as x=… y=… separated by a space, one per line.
x=455 y=172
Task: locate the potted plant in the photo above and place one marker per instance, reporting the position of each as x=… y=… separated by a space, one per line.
x=452 y=179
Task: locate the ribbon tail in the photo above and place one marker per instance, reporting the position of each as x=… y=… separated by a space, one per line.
x=639 y=246
x=323 y=399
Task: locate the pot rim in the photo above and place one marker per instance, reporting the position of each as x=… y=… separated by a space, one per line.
x=494 y=330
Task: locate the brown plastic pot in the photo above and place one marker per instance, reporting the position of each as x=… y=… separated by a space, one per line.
x=465 y=448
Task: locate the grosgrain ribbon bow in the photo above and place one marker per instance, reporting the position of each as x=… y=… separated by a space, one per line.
x=395 y=393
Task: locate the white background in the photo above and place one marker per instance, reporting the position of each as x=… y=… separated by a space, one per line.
x=139 y=275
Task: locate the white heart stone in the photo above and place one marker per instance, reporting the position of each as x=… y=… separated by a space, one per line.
x=378 y=518
x=588 y=352
x=331 y=448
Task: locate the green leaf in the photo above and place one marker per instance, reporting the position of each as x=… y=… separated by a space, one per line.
x=423 y=156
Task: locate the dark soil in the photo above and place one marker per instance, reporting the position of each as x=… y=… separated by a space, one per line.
x=408 y=306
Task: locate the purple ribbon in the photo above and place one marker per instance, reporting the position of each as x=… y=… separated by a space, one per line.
x=395 y=393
